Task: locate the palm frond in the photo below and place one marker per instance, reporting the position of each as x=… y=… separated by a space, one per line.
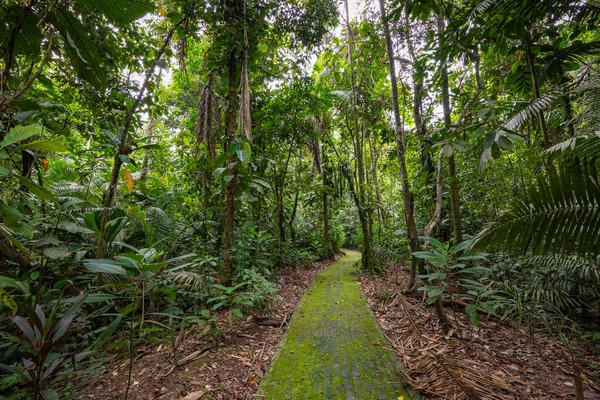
x=575 y=53
x=561 y=213
x=583 y=146
x=532 y=110
x=193 y=280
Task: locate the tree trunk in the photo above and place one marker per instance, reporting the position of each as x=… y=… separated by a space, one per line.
x=230 y=133
x=536 y=86
x=454 y=198
x=328 y=251
x=364 y=214
x=146 y=161
x=407 y=200
x=111 y=190
x=420 y=126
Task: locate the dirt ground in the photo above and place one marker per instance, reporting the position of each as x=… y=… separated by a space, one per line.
x=491 y=360
x=229 y=366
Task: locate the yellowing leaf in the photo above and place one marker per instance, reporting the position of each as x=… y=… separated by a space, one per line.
x=8 y=301
x=128 y=179
x=400 y=397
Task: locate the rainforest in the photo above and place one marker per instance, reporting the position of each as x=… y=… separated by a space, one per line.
x=299 y=199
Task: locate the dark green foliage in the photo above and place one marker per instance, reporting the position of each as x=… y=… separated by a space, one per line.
x=560 y=214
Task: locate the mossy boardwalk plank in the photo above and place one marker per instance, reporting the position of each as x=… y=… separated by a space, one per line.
x=334 y=348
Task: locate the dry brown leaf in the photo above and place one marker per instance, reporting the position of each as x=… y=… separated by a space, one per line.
x=194 y=395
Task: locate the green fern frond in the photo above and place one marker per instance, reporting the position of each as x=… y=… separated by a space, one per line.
x=560 y=214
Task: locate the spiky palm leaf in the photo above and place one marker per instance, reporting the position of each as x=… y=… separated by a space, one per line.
x=564 y=282
x=560 y=214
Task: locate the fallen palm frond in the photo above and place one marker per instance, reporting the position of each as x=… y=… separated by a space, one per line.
x=430 y=367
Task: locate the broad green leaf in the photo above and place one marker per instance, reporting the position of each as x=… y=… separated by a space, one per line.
x=105 y=268
x=79 y=48
x=41 y=192
x=5 y=281
x=471 y=308
x=505 y=143
x=20 y=133
x=242 y=155
x=436 y=243
x=57 y=252
x=43 y=145
x=489 y=139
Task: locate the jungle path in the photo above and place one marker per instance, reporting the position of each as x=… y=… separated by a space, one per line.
x=334 y=348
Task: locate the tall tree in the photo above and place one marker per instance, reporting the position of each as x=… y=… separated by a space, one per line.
x=409 y=215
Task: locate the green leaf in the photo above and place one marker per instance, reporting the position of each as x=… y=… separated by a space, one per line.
x=107 y=332
x=505 y=143
x=50 y=395
x=20 y=133
x=105 y=268
x=43 y=145
x=41 y=192
x=489 y=139
x=5 y=281
x=436 y=243
x=242 y=155
x=80 y=49
x=435 y=276
x=483 y=112
x=470 y=309
x=4 y=171
x=476 y=270
x=123 y=12
x=57 y=252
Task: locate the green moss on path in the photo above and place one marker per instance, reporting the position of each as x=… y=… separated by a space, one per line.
x=334 y=348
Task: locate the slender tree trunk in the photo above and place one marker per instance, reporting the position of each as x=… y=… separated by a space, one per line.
x=146 y=161
x=123 y=149
x=407 y=200
x=328 y=251
x=454 y=198
x=439 y=308
x=230 y=132
x=420 y=126
x=364 y=214
x=536 y=86
x=293 y=216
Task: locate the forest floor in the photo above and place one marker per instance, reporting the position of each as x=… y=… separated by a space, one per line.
x=490 y=360
x=231 y=370
x=334 y=349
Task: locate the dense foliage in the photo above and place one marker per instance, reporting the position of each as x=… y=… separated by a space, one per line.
x=162 y=161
